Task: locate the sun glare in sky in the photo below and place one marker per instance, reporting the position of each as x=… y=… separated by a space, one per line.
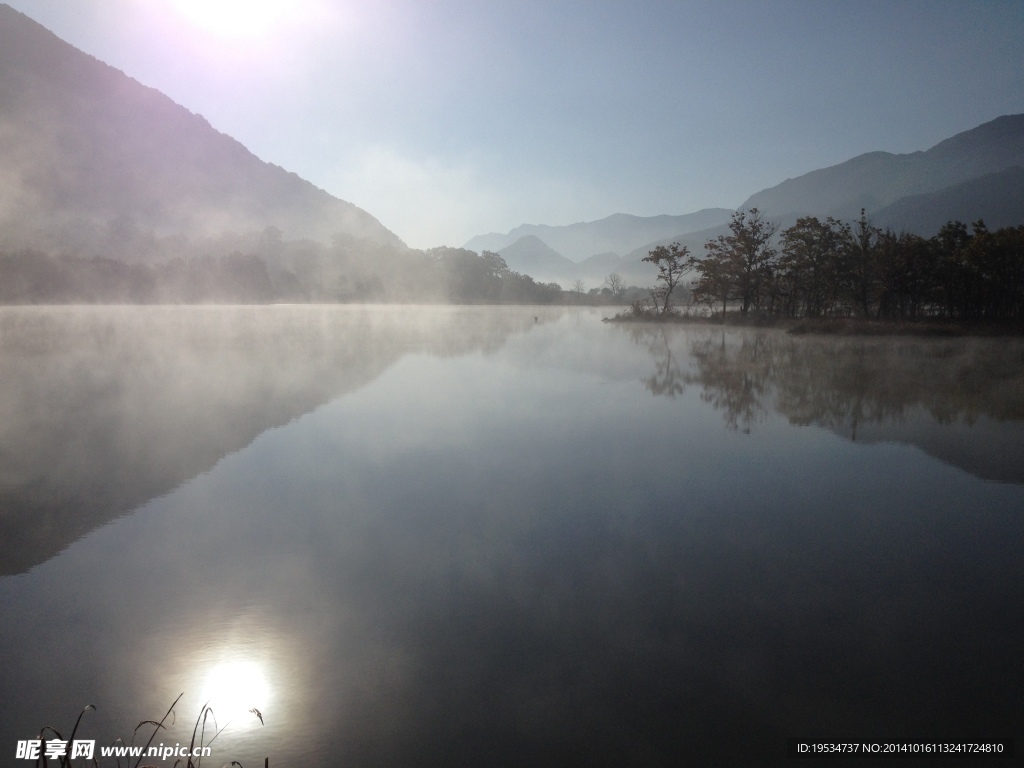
x=235 y=18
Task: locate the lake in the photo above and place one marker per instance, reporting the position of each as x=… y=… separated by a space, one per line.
x=504 y=536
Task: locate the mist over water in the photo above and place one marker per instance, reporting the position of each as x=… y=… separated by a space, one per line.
x=508 y=536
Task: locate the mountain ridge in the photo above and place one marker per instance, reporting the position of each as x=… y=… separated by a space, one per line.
x=617 y=233
x=874 y=180
x=997 y=198
x=84 y=147
x=530 y=255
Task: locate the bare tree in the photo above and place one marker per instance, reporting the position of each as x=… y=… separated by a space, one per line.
x=615 y=284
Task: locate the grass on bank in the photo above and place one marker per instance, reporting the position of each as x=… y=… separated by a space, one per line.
x=198 y=741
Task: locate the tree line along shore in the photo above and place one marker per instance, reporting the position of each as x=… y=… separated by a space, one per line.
x=826 y=275
x=263 y=268
x=822 y=272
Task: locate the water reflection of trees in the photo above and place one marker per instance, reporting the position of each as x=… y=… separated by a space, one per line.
x=737 y=385
x=734 y=384
x=838 y=383
x=668 y=379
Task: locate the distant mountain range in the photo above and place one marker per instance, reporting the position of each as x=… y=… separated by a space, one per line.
x=879 y=179
x=590 y=251
x=618 y=233
x=90 y=157
x=998 y=198
x=532 y=256
x=977 y=174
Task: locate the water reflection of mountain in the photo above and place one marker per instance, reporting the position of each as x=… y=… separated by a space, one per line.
x=102 y=409
x=959 y=400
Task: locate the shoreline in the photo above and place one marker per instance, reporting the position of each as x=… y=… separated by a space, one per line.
x=842 y=326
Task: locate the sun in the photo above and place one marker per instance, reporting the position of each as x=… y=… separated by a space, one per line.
x=240 y=19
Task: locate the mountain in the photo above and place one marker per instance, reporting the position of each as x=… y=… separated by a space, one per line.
x=977 y=174
x=618 y=233
x=88 y=155
x=531 y=256
x=604 y=263
x=998 y=198
x=878 y=179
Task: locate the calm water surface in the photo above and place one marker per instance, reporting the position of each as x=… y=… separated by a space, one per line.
x=454 y=536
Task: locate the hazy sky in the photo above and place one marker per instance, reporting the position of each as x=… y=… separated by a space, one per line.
x=450 y=118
